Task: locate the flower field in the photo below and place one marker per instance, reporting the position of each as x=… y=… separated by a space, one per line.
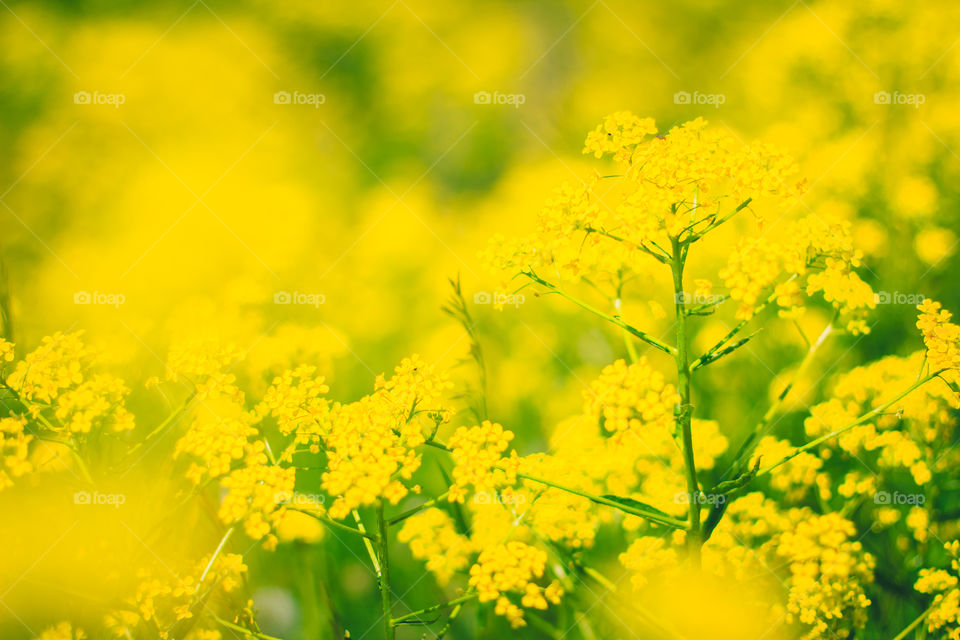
x=560 y=320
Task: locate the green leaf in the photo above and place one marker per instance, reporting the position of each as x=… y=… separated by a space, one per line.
x=713 y=356
x=635 y=507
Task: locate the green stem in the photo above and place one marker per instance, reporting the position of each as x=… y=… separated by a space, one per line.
x=693 y=237
x=417 y=509
x=653 y=342
x=864 y=418
x=382 y=548
x=653 y=517
x=213 y=558
x=437 y=607
x=750 y=444
x=733 y=332
x=163 y=425
x=913 y=625
x=685 y=414
x=662 y=257
x=368 y=542
x=243 y=630
x=330 y=522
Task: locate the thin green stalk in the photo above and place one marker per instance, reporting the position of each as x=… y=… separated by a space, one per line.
x=437 y=607
x=747 y=448
x=662 y=257
x=417 y=509
x=653 y=342
x=626 y=508
x=453 y=616
x=330 y=522
x=684 y=388
x=654 y=517
x=243 y=630
x=175 y=415
x=864 y=418
x=694 y=236
x=382 y=548
x=213 y=558
x=733 y=332
x=374 y=557
x=913 y=625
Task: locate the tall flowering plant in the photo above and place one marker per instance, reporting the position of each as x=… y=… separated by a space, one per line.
x=776 y=536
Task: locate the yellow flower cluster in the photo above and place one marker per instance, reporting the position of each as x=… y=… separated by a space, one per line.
x=511 y=569
x=630 y=399
x=95 y=403
x=433 y=537
x=256 y=496
x=58 y=374
x=371 y=444
x=479 y=461
x=206 y=365
x=672 y=185
x=57 y=364
x=618 y=135
x=220 y=434
x=6 y=352
x=944 y=618
x=158 y=603
x=824 y=570
x=811 y=257
x=57 y=386
x=828 y=572
x=557 y=515
x=942 y=339
x=14 y=451
x=62 y=631
x=294 y=399
x=908 y=436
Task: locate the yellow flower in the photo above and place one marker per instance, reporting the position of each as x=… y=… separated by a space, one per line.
x=942 y=339
x=294 y=400
x=942 y=584
x=256 y=495
x=477 y=452
x=14 y=451
x=220 y=434
x=512 y=569
x=631 y=398
x=433 y=537
x=372 y=443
